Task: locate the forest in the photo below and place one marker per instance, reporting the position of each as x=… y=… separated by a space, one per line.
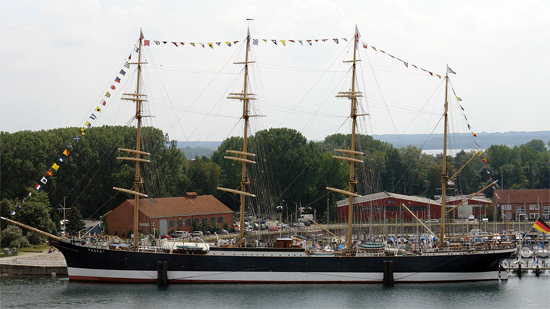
x=289 y=171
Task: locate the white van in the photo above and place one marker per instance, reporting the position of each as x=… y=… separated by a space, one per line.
x=180 y=234
x=197 y=234
x=471 y=218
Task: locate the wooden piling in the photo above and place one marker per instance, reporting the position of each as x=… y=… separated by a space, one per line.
x=388 y=272
x=162 y=270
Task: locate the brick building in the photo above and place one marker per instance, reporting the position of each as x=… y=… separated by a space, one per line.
x=169 y=214
x=523 y=204
x=386 y=205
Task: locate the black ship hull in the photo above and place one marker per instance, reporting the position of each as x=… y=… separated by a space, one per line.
x=266 y=265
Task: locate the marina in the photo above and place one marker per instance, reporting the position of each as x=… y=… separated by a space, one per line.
x=537 y=267
x=299 y=203
x=147 y=236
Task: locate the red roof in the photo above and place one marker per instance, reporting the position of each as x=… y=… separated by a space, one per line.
x=529 y=196
x=181 y=206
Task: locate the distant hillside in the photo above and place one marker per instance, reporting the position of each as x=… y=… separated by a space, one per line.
x=456 y=141
x=198 y=148
x=464 y=140
x=200 y=144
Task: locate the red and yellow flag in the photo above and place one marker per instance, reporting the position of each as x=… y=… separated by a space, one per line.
x=542 y=226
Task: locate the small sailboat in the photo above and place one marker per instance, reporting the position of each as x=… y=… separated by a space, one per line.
x=525 y=252
x=540 y=251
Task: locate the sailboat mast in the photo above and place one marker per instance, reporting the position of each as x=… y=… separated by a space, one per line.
x=246 y=116
x=137 y=178
x=245 y=97
x=352 y=95
x=138 y=98
x=353 y=115
x=444 y=174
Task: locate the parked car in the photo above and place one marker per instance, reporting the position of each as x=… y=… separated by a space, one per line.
x=180 y=234
x=225 y=232
x=471 y=218
x=197 y=234
x=165 y=236
x=274 y=228
x=432 y=220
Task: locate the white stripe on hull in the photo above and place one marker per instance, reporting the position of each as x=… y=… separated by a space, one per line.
x=289 y=277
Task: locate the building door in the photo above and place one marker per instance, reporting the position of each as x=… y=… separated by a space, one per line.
x=464 y=211
x=163 y=229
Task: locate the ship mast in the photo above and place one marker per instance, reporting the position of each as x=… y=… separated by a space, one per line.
x=138 y=99
x=352 y=95
x=241 y=156
x=444 y=174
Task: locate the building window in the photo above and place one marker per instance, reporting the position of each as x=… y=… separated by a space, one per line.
x=520 y=209
x=171 y=224
x=534 y=207
x=205 y=221
x=534 y=216
x=188 y=222
x=197 y=220
x=180 y=223
x=213 y=220
x=220 y=219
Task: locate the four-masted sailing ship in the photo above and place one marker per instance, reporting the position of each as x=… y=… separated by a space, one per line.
x=282 y=263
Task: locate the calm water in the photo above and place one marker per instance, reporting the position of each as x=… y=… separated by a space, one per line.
x=47 y=292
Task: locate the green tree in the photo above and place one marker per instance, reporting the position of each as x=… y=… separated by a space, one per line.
x=204 y=176
x=74 y=221
x=415 y=177
x=12 y=236
x=285 y=167
x=230 y=171
x=90 y=168
x=34 y=211
x=517 y=178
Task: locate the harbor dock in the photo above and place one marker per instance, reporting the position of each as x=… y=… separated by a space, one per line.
x=523 y=266
x=33 y=264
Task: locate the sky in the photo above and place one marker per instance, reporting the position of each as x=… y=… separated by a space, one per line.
x=59 y=58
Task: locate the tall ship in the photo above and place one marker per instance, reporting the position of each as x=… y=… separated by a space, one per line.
x=200 y=262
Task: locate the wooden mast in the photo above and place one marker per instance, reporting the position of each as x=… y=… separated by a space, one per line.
x=444 y=174
x=138 y=99
x=352 y=95
x=245 y=97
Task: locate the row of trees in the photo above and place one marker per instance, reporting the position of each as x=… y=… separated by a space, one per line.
x=289 y=170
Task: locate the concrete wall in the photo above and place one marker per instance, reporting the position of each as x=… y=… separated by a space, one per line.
x=12 y=270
